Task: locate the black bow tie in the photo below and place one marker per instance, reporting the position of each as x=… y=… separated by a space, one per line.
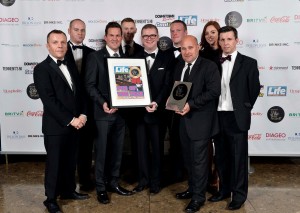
x=177 y=48
x=222 y=59
x=152 y=55
x=74 y=47
x=60 y=62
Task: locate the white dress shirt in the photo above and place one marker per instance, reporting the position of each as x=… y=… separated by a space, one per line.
x=185 y=67
x=149 y=59
x=78 y=54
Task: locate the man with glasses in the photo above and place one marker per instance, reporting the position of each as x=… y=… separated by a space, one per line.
x=149 y=118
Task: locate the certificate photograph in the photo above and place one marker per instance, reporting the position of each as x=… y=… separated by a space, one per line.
x=128 y=82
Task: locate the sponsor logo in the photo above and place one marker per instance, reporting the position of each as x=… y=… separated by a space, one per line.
x=275 y=114
x=257 y=20
x=279 y=68
x=295 y=137
x=276 y=91
x=38 y=113
x=30 y=21
x=254 y=137
x=165 y=43
x=294 y=114
x=35 y=136
x=7 y=3
x=297 y=42
x=233 y=0
x=295 y=67
x=261 y=93
x=32 y=92
x=296 y=18
x=14 y=114
x=12 y=68
x=143 y=21
x=233 y=19
x=29 y=66
x=283 y=19
x=256 y=114
x=279 y=44
x=294 y=91
x=261 y=68
x=164 y=20
x=190 y=20
x=97 y=44
x=205 y=20
x=32 y=45
x=97 y=21
x=276 y=136
x=15 y=135
x=53 y=22
x=255 y=44
x=9 y=20
x=10 y=91
x=10 y=45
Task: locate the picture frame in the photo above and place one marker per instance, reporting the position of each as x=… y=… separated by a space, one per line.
x=128 y=82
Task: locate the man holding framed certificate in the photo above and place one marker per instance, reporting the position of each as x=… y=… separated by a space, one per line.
x=198 y=121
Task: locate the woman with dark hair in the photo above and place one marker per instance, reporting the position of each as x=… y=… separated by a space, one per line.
x=211 y=50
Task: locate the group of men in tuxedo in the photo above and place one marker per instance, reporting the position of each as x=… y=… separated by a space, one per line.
x=78 y=115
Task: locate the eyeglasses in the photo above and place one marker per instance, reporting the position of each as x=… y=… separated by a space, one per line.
x=152 y=36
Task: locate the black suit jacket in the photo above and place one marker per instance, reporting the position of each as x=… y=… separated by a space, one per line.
x=137 y=51
x=97 y=83
x=60 y=103
x=159 y=79
x=201 y=121
x=244 y=88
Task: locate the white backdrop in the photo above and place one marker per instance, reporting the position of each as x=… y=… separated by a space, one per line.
x=268 y=31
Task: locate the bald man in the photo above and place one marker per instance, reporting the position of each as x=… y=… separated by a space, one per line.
x=198 y=121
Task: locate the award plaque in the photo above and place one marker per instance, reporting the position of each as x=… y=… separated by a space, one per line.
x=178 y=95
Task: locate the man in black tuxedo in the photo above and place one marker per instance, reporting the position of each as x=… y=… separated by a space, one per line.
x=198 y=121
x=59 y=88
x=178 y=30
x=110 y=124
x=77 y=54
x=240 y=89
x=149 y=118
x=129 y=47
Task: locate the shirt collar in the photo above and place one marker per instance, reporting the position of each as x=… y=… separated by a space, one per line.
x=111 y=52
x=54 y=59
x=155 y=51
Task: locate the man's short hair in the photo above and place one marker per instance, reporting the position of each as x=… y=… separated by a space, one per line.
x=77 y=19
x=127 y=20
x=180 y=22
x=149 y=26
x=226 y=29
x=113 y=24
x=55 y=32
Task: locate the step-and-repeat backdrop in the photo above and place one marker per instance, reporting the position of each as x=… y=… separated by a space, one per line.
x=269 y=31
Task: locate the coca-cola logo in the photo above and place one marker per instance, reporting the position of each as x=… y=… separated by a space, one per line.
x=283 y=19
x=35 y=114
x=275 y=135
x=255 y=137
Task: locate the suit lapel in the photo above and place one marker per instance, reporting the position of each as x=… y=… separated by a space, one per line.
x=157 y=63
x=236 y=66
x=194 y=69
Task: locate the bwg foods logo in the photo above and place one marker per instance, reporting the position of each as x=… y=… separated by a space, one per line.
x=276 y=91
x=294 y=137
x=233 y=19
x=254 y=137
x=164 y=43
x=254 y=43
x=294 y=114
x=32 y=92
x=275 y=114
x=14 y=114
x=261 y=92
x=164 y=20
x=12 y=69
x=30 y=21
x=278 y=136
x=7 y=3
x=15 y=135
x=189 y=20
x=29 y=66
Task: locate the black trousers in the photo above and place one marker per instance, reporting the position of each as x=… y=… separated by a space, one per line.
x=195 y=157
x=60 y=164
x=109 y=133
x=231 y=156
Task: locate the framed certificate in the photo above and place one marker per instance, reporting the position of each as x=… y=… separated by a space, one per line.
x=178 y=95
x=128 y=82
